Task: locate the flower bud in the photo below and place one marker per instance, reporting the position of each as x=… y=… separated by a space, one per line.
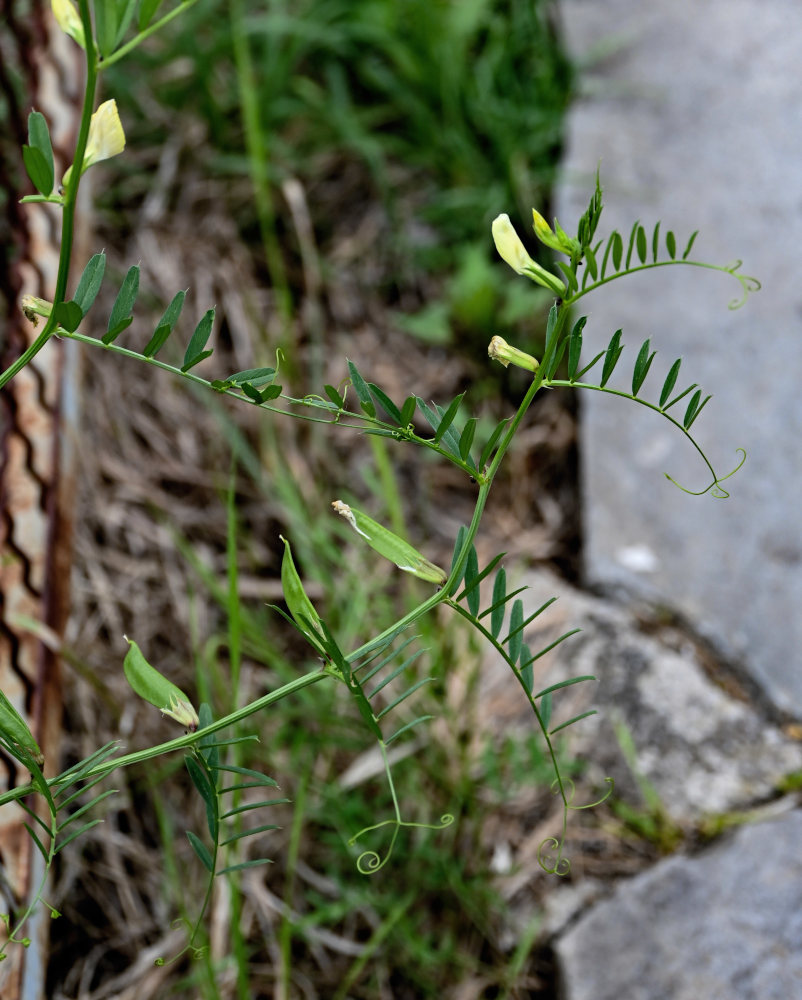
x=32 y=307
x=499 y=350
x=557 y=239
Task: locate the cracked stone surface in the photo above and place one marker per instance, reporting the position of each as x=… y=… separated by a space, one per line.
x=705 y=750
x=694 y=113
x=742 y=943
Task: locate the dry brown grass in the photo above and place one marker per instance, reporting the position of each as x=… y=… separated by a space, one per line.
x=154 y=462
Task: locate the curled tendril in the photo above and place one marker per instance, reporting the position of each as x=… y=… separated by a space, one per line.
x=748 y=284
x=197 y=953
x=592 y=805
x=553 y=864
x=369 y=862
x=550 y=855
x=715 y=489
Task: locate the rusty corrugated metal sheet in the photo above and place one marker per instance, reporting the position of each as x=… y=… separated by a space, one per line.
x=41 y=69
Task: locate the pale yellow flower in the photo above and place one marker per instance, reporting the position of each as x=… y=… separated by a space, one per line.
x=69 y=20
x=106 y=137
x=509 y=245
x=513 y=252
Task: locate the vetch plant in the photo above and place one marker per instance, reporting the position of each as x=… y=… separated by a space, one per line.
x=380 y=676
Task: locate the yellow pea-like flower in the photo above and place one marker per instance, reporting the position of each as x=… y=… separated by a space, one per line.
x=69 y=20
x=513 y=252
x=106 y=137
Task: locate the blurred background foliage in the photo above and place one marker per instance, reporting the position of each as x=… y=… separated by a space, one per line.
x=325 y=172
x=440 y=113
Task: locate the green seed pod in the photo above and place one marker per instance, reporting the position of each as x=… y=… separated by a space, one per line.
x=149 y=684
x=391 y=546
x=298 y=604
x=14 y=729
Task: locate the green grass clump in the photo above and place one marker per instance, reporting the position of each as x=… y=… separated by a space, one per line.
x=441 y=110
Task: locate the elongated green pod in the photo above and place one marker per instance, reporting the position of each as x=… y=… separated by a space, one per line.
x=149 y=684
x=391 y=546
x=14 y=729
x=298 y=603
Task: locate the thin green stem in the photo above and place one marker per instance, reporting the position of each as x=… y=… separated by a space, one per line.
x=293 y=851
x=528 y=694
x=123 y=51
x=71 y=194
x=256 y=148
x=181 y=742
x=389 y=485
x=743 y=279
x=485 y=482
x=69 y=205
x=560 y=383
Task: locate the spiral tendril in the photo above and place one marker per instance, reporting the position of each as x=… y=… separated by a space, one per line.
x=369 y=862
x=553 y=864
x=748 y=284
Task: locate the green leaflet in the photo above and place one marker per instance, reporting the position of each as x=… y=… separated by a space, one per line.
x=149 y=684
x=390 y=545
x=298 y=603
x=14 y=729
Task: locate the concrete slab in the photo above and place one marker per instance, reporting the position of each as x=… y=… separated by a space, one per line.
x=694 y=111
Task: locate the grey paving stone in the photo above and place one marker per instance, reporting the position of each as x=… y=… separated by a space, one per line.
x=724 y=925
x=694 y=111
x=703 y=750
